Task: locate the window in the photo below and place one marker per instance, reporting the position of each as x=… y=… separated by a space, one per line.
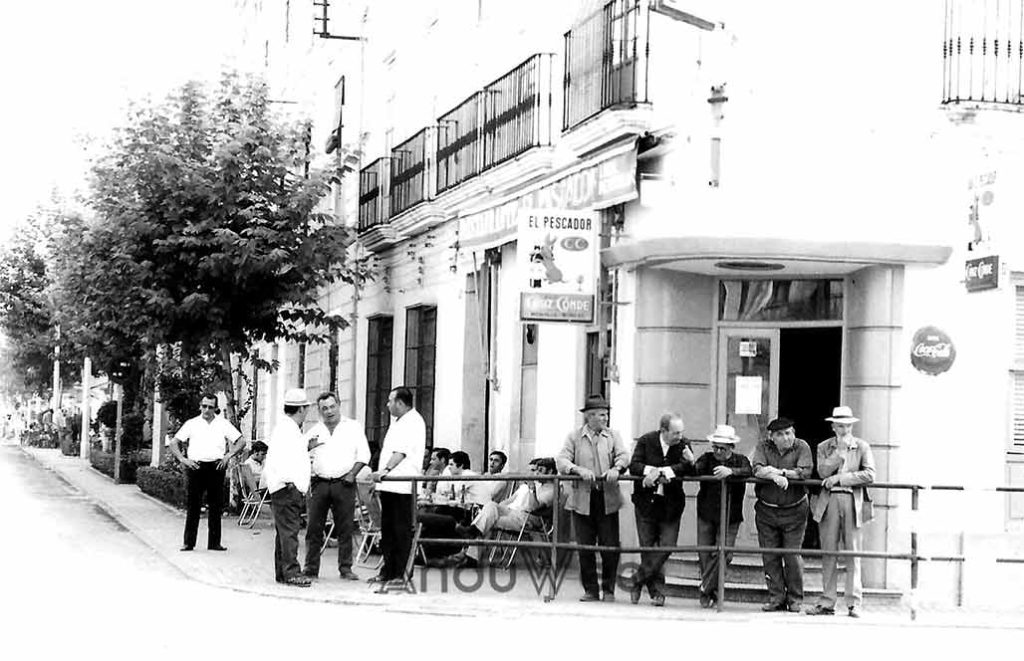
x=378 y=379
x=420 y=347
x=780 y=300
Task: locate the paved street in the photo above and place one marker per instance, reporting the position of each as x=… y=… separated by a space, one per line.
x=79 y=580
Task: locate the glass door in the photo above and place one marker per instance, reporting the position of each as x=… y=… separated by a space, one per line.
x=748 y=382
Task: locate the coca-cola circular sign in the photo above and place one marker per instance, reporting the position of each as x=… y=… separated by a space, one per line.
x=932 y=351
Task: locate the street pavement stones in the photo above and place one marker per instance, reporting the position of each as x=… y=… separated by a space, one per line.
x=248 y=567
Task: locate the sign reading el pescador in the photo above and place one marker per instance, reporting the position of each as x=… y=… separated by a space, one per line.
x=557 y=258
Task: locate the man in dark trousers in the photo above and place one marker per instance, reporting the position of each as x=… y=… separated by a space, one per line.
x=212 y=441
x=658 y=501
x=781 y=512
x=721 y=463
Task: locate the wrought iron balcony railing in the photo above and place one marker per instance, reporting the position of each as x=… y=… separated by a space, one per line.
x=606 y=59
x=458 y=144
x=409 y=168
x=517 y=111
x=983 y=52
x=373 y=193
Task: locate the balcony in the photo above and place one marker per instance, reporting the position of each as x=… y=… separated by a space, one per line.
x=606 y=60
x=515 y=117
x=373 y=193
x=983 y=53
x=409 y=180
x=458 y=144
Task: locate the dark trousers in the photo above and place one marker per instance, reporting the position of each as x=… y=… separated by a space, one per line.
x=340 y=498
x=707 y=535
x=654 y=531
x=204 y=480
x=287 y=506
x=395 y=533
x=602 y=529
x=782 y=528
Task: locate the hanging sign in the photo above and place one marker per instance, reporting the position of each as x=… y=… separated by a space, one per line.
x=557 y=251
x=932 y=351
x=748 y=348
x=982 y=273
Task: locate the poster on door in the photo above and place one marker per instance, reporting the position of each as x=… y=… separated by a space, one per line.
x=748 y=395
x=558 y=262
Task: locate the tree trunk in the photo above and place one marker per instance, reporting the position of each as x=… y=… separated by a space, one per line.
x=231 y=392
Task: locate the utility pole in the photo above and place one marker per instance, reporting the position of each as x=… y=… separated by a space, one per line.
x=118 y=433
x=56 y=374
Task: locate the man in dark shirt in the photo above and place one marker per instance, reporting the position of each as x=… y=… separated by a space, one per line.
x=781 y=512
x=721 y=462
x=659 y=457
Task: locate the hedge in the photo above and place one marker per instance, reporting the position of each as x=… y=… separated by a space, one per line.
x=104 y=463
x=162 y=483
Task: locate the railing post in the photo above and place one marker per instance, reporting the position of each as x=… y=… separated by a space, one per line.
x=550 y=596
x=723 y=524
x=914 y=501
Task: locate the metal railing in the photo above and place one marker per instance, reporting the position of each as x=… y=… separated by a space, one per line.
x=553 y=547
x=983 y=52
x=373 y=191
x=409 y=168
x=517 y=111
x=606 y=58
x=458 y=143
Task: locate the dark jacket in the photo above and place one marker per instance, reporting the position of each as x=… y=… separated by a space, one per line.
x=646 y=501
x=709 y=497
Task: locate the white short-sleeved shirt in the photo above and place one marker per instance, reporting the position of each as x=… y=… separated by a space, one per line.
x=477 y=492
x=407 y=435
x=287 y=458
x=207 y=441
x=341 y=449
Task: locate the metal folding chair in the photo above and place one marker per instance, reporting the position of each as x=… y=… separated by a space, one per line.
x=369 y=536
x=252 y=501
x=538 y=524
x=328 y=531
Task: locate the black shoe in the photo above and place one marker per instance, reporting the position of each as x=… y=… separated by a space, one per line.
x=466 y=532
x=186 y=547
x=659 y=600
x=590 y=596
x=348 y=575
x=773 y=606
x=818 y=609
x=608 y=596
x=298 y=581
x=793 y=607
x=853 y=611
x=635 y=592
x=707 y=600
x=217 y=548
x=466 y=561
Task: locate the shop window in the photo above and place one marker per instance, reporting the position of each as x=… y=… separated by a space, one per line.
x=378 y=379
x=780 y=300
x=420 y=350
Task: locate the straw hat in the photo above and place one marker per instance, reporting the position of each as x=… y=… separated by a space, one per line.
x=724 y=434
x=842 y=414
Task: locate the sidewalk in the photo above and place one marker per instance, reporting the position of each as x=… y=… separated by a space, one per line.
x=248 y=567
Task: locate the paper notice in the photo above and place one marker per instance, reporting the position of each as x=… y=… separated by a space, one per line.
x=748 y=395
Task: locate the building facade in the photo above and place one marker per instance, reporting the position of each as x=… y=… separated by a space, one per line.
x=795 y=209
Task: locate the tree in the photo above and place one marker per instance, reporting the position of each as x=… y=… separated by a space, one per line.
x=208 y=237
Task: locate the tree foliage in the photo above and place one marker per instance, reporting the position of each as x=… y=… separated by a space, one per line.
x=207 y=234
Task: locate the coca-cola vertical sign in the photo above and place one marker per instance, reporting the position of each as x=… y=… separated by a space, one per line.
x=932 y=351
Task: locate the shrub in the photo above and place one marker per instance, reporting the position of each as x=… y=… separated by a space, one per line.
x=70 y=445
x=163 y=483
x=104 y=463
x=106 y=414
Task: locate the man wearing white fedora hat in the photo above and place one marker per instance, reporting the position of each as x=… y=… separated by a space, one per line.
x=845 y=465
x=286 y=471
x=722 y=463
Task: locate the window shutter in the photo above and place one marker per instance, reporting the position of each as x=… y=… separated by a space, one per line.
x=1018 y=411
x=1018 y=375
x=1018 y=338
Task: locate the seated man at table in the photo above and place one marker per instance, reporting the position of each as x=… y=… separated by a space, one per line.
x=477 y=492
x=511 y=513
x=437 y=464
x=252 y=468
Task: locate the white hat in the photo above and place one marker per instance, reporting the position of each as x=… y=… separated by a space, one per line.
x=724 y=434
x=842 y=414
x=296 y=397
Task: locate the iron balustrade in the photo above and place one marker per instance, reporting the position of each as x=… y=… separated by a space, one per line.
x=721 y=548
x=606 y=58
x=373 y=191
x=458 y=143
x=409 y=167
x=517 y=111
x=983 y=52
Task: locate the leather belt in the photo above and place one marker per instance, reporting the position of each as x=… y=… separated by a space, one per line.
x=783 y=507
x=327 y=479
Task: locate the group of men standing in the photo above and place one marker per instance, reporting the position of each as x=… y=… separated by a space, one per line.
x=598 y=456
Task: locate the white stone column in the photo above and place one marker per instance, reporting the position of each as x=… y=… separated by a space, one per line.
x=83 y=451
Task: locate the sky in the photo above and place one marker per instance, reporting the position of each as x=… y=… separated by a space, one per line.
x=69 y=69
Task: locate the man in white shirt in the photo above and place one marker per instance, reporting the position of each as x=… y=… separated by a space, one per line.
x=286 y=473
x=477 y=492
x=339 y=450
x=212 y=441
x=401 y=455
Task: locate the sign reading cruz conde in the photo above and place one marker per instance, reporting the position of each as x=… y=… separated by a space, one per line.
x=557 y=251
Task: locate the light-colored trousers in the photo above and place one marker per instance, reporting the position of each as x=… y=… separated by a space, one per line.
x=838 y=523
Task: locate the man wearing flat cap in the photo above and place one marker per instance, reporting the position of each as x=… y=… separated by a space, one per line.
x=286 y=472
x=596 y=454
x=781 y=512
x=845 y=465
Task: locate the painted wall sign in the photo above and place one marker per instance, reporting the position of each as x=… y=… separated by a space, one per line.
x=932 y=351
x=557 y=251
x=982 y=273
